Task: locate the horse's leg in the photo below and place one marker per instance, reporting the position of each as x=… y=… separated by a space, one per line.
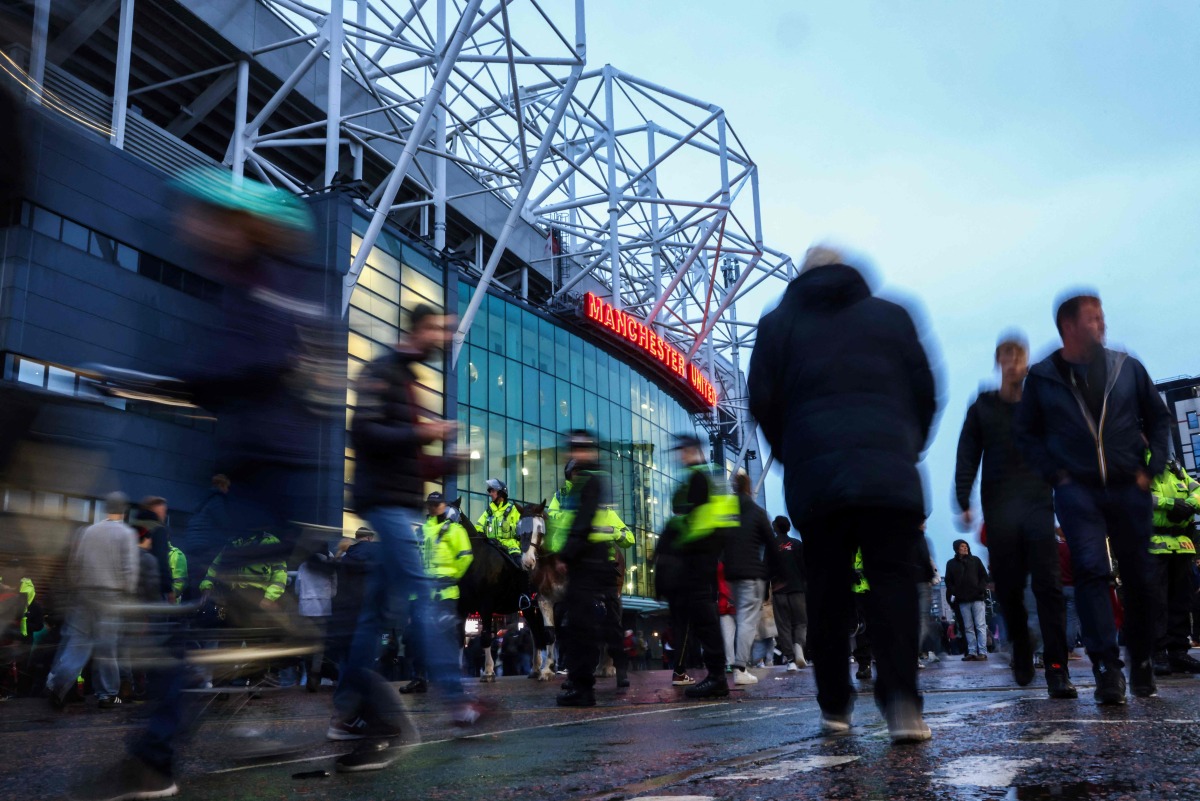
x=485 y=638
x=546 y=607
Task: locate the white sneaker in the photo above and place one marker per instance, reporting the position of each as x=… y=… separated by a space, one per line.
x=834 y=724
x=742 y=676
x=792 y=668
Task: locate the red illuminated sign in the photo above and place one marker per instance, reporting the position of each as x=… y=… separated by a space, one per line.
x=646 y=340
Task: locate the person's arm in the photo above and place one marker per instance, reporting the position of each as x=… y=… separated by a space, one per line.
x=589 y=504
x=1156 y=420
x=130 y=566
x=371 y=430
x=211 y=574
x=970 y=453
x=460 y=547
x=275 y=589
x=762 y=383
x=1029 y=430
x=949 y=582
x=178 y=564
x=924 y=388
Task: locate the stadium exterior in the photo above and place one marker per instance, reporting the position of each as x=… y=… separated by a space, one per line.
x=463 y=156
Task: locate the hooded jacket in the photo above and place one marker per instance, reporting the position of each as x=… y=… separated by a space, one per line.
x=1061 y=439
x=749 y=551
x=966 y=577
x=842 y=390
x=987 y=435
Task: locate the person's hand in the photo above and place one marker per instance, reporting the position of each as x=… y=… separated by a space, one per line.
x=965 y=520
x=441 y=430
x=266 y=603
x=1143 y=481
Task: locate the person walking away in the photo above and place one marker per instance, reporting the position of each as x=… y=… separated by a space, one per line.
x=966 y=589
x=748 y=548
x=499 y=521
x=150 y=519
x=1176 y=497
x=1084 y=423
x=354 y=566
x=589 y=558
x=388 y=437
x=848 y=424
x=1018 y=506
x=704 y=512
x=316 y=585
x=788 y=588
x=208 y=529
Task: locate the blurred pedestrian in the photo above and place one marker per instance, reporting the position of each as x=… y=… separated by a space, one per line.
x=787 y=590
x=1085 y=421
x=844 y=395
x=208 y=530
x=315 y=586
x=1018 y=506
x=748 y=556
x=1176 y=497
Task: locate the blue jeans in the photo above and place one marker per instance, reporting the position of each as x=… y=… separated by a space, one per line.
x=974 y=615
x=1121 y=517
x=748 y=597
x=397 y=576
x=91 y=632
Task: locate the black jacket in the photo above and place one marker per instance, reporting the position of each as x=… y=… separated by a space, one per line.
x=750 y=548
x=390 y=468
x=353 y=571
x=966 y=578
x=591 y=566
x=987 y=434
x=790 y=573
x=1060 y=439
x=843 y=392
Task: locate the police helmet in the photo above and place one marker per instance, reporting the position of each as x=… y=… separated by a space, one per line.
x=497 y=485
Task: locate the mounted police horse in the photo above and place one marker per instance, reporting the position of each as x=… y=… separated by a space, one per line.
x=495 y=585
x=548 y=584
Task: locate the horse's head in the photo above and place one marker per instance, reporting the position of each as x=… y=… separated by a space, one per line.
x=531 y=530
x=454 y=512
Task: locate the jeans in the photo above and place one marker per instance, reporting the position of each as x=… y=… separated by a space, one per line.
x=892 y=546
x=1117 y=517
x=91 y=632
x=748 y=602
x=397 y=576
x=1072 y=617
x=729 y=634
x=974 y=615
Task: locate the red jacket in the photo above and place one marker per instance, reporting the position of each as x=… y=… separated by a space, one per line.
x=724 y=594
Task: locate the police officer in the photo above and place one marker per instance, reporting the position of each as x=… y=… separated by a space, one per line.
x=499 y=520
x=704 y=509
x=589 y=556
x=560 y=495
x=1176 y=497
x=446 y=554
x=252 y=569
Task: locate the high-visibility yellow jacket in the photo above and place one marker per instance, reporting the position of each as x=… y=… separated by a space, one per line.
x=446 y=554
x=270 y=577
x=1166 y=488
x=499 y=522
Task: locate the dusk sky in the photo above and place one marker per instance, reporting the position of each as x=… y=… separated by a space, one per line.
x=982 y=157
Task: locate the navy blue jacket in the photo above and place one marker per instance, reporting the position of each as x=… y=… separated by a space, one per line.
x=1060 y=439
x=843 y=392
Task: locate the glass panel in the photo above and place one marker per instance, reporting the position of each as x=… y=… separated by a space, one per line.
x=29 y=372
x=604 y=420
x=590 y=414
x=127 y=257
x=562 y=403
x=589 y=366
x=625 y=396
x=497 y=457
x=512 y=334
x=47 y=223
x=48 y=504
x=512 y=389
x=531 y=396
x=18 y=502
x=548 y=401
x=432 y=292
x=430 y=376
x=60 y=380
x=103 y=247
x=531 y=342
x=1193 y=420
x=75 y=235
x=78 y=509
x=478 y=374
x=545 y=345
x=576 y=363
x=531 y=466
x=578 y=412
x=477 y=450
x=550 y=467
x=387 y=266
x=496 y=388
x=562 y=351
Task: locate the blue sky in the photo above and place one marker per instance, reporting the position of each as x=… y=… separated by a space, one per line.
x=983 y=156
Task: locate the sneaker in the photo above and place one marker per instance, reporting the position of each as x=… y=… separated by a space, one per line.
x=1110 y=683
x=372 y=755
x=835 y=724
x=1162 y=666
x=342 y=730
x=574 y=697
x=792 y=667
x=741 y=677
x=1141 y=679
x=468 y=714
x=110 y=702
x=415 y=686
x=968 y=657
x=1023 y=672
x=906 y=725
x=981 y=657
x=622 y=679
x=713 y=686
x=1039 y=661
x=1058 y=683
x=681 y=680
x=132 y=779
x=864 y=672
x=1183 y=662
x=920 y=665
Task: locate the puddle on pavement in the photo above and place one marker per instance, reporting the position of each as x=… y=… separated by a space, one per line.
x=1067 y=791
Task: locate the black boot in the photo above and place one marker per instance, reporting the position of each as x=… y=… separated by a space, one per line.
x=415 y=686
x=1022 y=670
x=713 y=686
x=1141 y=678
x=576 y=697
x=1058 y=684
x=1110 y=683
x=1162 y=665
x=1183 y=662
x=622 y=677
x=864 y=672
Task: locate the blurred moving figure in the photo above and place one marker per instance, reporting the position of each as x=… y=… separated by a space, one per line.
x=1086 y=419
x=1176 y=498
x=1019 y=509
x=207 y=531
x=788 y=590
x=103 y=573
x=843 y=391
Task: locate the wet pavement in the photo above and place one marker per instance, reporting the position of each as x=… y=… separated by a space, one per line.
x=992 y=740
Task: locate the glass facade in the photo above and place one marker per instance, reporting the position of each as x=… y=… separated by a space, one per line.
x=522 y=381
x=395 y=279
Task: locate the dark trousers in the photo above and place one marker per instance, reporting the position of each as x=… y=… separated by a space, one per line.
x=791 y=621
x=1171 y=583
x=862 y=632
x=1021 y=544
x=1120 y=516
x=892 y=543
x=591 y=616
x=694 y=617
